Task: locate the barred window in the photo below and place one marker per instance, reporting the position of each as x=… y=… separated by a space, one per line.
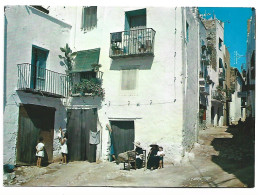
x=89 y=18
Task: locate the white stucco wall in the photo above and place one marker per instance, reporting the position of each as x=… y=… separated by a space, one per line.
x=162 y=120
x=217 y=32
x=191 y=91
x=165 y=85
x=235 y=106
x=23 y=31
x=251 y=36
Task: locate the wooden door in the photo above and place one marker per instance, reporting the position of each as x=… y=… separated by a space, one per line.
x=79 y=124
x=123 y=135
x=34 y=121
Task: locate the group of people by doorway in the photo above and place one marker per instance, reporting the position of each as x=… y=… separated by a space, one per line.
x=154 y=158
x=63 y=148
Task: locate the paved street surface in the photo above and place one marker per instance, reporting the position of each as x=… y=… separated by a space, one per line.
x=218 y=160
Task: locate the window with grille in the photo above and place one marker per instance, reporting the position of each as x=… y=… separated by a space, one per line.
x=87 y=75
x=89 y=18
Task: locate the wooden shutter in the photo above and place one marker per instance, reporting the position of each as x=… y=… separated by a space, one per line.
x=128 y=80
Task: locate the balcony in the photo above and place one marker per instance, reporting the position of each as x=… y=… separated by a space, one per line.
x=131 y=43
x=201 y=78
x=205 y=89
x=205 y=55
x=33 y=79
x=205 y=59
x=218 y=96
x=222 y=74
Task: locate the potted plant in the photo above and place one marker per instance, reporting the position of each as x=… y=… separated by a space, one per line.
x=115 y=49
x=208 y=80
x=92 y=87
x=96 y=67
x=142 y=48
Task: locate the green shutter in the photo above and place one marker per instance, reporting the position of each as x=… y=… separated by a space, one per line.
x=85 y=59
x=128 y=14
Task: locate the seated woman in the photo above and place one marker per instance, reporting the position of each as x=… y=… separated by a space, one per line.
x=153 y=159
x=139 y=155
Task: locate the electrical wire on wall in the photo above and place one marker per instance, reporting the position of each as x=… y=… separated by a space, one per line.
x=139 y=104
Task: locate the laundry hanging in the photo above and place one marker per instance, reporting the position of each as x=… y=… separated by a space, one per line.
x=94 y=137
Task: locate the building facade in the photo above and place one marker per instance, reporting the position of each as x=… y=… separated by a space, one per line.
x=216 y=71
x=251 y=65
x=150 y=74
x=237 y=104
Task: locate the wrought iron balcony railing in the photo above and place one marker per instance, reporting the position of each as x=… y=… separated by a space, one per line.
x=222 y=74
x=205 y=89
x=139 y=42
x=34 y=79
x=219 y=96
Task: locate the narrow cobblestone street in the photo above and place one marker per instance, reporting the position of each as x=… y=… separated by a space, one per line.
x=213 y=162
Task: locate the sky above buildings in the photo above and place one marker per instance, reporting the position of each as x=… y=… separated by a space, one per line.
x=235 y=35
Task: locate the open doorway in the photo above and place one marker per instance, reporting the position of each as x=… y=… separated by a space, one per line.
x=212 y=115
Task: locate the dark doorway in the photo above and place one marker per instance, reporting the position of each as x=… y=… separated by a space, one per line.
x=35 y=121
x=79 y=124
x=123 y=135
x=212 y=115
x=218 y=113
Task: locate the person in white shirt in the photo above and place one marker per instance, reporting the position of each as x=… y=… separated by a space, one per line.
x=64 y=150
x=161 y=155
x=40 y=151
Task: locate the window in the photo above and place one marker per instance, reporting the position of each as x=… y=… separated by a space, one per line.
x=135 y=19
x=187 y=32
x=89 y=18
x=128 y=79
x=220 y=63
x=87 y=75
x=220 y=43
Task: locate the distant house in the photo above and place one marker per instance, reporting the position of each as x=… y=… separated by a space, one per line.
x=237 y=105
x=214 y=74
x=251 y=65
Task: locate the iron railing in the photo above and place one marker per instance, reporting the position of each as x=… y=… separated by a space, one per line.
x=132 y=43
x=218 y=95
x=222 y=74
x=35 y=79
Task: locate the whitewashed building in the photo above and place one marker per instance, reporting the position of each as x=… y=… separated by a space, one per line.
x=251 y=65
x=150 y=61
x=237 y=105
x=216 y=71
